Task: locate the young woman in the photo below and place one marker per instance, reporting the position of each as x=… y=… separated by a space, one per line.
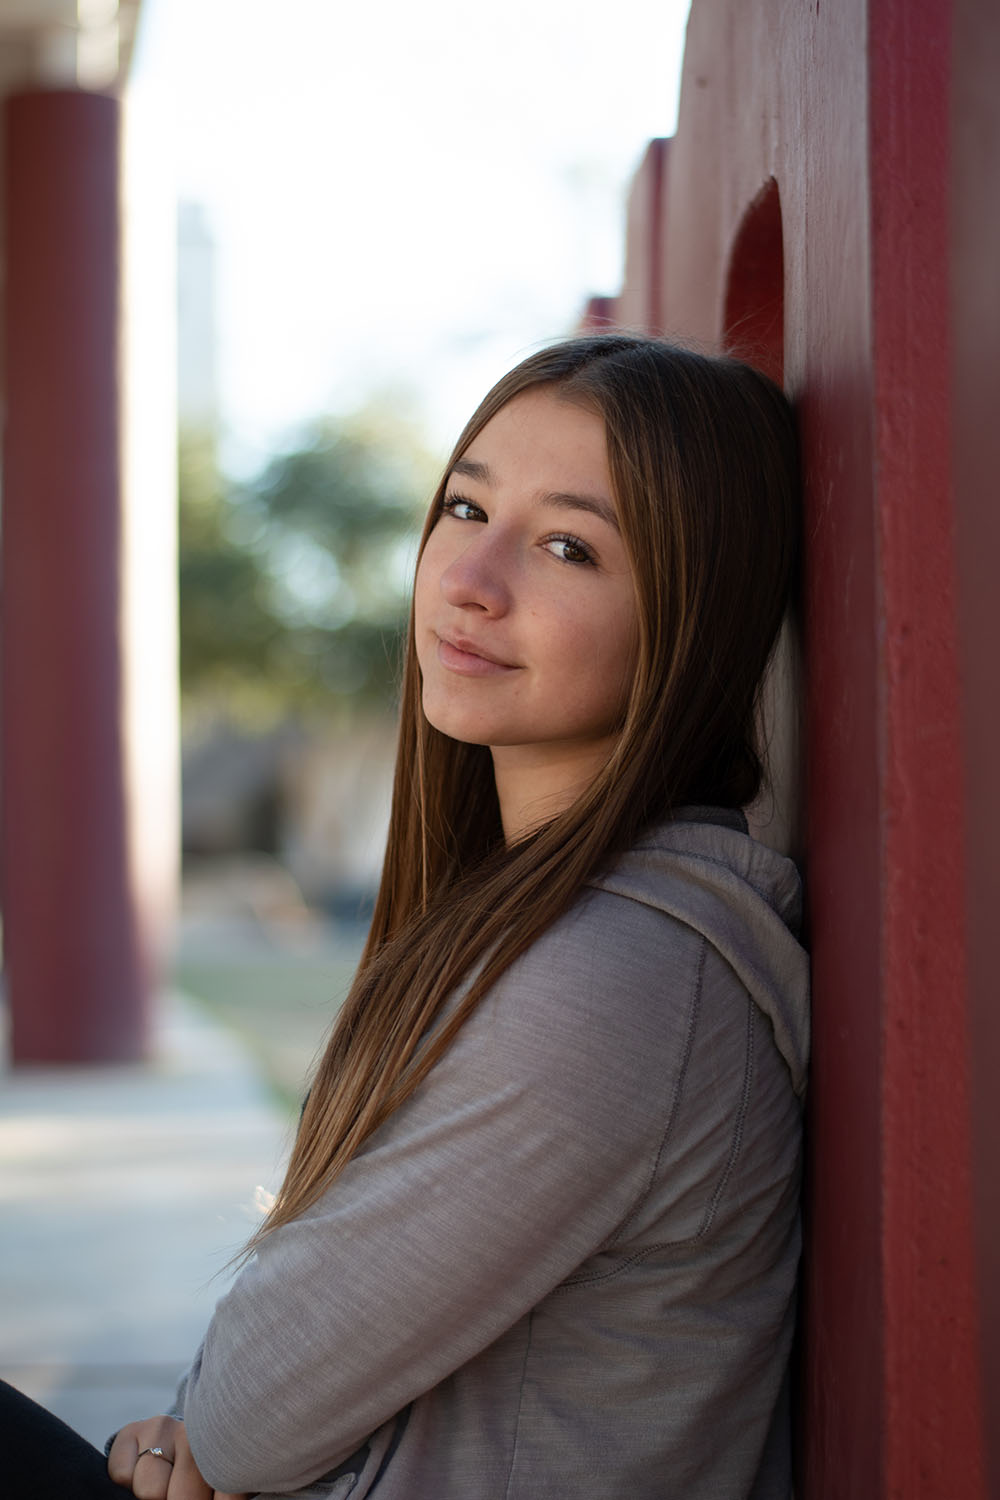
x=539 y=1232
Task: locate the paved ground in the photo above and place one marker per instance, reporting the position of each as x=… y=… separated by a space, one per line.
x=123 y=1193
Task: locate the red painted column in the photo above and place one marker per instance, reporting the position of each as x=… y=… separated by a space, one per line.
x=71 y=950
x=640 y=305
x=933 y=1438
x=975 y=306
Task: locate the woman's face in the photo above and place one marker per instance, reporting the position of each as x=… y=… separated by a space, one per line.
x=525 y=608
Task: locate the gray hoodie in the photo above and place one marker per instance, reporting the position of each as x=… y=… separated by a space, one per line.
x=566 y=1266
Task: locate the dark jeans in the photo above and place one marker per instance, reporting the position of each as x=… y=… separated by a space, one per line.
x=43 y=1459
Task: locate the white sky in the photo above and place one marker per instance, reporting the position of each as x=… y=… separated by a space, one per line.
x=403 y=195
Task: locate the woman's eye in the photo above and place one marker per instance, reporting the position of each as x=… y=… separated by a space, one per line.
x=569 y=549
x=462 y=510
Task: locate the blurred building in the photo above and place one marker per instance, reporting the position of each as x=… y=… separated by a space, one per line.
x=197 y=374
x=88 y=664
x=314 y=799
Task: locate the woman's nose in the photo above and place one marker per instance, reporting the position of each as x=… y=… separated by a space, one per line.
x=479 y=578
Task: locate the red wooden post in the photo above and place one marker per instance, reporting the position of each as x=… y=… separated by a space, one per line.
x=70 y=931
x=975 y=288
x=932 y=1395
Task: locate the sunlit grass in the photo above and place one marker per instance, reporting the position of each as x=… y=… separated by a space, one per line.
x=279 y=1004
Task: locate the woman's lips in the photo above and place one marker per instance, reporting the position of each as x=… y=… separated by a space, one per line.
x=461 y=656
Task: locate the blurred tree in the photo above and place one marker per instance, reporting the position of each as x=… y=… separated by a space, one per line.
x=293 y=585
x=225 y=621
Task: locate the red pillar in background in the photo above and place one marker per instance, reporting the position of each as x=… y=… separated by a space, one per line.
x=640 y=303
x=71 y=949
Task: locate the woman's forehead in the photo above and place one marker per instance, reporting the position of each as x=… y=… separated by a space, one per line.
x=538 y=431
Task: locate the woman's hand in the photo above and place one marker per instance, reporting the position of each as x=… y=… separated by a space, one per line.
x=172 y=1475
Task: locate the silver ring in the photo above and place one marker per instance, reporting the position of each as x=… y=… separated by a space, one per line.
x=156 y=1452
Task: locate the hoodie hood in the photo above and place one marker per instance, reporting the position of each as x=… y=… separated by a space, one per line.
x=744 y=898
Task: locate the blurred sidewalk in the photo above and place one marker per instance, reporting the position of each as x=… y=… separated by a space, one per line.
x=123 y=1193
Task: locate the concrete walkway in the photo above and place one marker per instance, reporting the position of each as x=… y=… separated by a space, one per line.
x=123 y=1193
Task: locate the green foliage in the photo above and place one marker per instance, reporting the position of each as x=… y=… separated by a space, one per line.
x=293 y=585
x=225 y=622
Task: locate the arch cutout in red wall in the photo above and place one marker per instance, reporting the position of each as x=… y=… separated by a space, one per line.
x=753 y=317
x=753 y=329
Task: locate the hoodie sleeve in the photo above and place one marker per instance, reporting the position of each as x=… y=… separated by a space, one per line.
x=522 y=1152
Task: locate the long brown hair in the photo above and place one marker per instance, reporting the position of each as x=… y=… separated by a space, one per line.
x=703 y=464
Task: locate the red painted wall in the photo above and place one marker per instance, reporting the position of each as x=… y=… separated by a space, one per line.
x=806 y=221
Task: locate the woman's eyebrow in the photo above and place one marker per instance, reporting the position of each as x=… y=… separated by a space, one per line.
x=472 y=470
x=595 y=505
